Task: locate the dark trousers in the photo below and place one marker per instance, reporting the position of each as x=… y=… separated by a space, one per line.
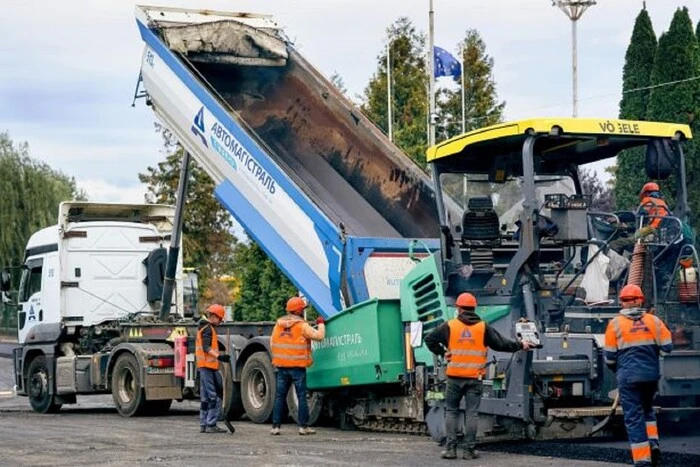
x=285 y=378
x=210 y=404
x=456 y=389
x=640 y=420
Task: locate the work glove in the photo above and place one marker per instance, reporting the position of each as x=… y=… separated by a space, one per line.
x=448 y=356
x=644 y=232
x=224 y=358
x=320 y=320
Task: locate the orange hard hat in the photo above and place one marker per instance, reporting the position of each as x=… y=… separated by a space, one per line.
x=649 y=187
x=466 y=300
x=217 y=310
x=296 y=305
x=631 y=292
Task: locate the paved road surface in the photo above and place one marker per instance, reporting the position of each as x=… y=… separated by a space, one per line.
x=91 y=432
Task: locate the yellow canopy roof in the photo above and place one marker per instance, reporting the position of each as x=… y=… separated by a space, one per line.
x=509 y=135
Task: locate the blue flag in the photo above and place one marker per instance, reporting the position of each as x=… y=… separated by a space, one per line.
x=445 y=64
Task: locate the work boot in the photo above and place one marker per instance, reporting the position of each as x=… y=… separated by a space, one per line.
x=655 y=457
x=215 y=429
x=203 y=429
x=305 y=430
x=470 y=454
x=275 y=431
x=449 y=453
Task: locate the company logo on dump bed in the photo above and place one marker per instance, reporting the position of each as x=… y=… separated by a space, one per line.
x=232 y=151
x=198 y=126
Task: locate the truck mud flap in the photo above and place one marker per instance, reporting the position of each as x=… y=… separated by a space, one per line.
x=18 y=357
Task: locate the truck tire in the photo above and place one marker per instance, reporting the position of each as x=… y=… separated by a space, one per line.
x=38 y=389
x=127 y=390
x=315 y=401
x=234 y=406
x=258 y=387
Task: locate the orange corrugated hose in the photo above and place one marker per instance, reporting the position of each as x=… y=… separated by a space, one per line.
x=636 y=275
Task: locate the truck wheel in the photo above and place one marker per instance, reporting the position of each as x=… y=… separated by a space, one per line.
x=315 y=401
x=38 y=387
x=234 y=406
x=127 y=390
x=258 y=387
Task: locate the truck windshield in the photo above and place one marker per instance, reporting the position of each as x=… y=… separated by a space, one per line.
x=507 y=197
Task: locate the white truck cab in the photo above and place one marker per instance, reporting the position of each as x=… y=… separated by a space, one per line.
x=93 y=267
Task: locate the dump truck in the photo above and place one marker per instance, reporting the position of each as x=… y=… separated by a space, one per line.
x=381 y=249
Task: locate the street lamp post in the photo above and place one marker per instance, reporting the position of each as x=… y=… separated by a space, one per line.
x=574 y=9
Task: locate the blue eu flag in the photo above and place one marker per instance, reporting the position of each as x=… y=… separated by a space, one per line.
x=445 y=64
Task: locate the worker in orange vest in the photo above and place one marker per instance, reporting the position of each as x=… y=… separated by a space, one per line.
x=633 y=342
x=467 y=339
x=291 y=355
x=208 y=357
x=652 y=203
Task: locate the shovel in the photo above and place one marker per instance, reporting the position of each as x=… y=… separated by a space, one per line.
x=227 y=385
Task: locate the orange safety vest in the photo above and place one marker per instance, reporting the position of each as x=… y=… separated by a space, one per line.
x=290 y=348
x=204 y=359
x=654 y=207
x=628 y=333
x=468 y=350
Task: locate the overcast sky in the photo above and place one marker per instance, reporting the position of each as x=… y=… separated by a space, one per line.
x=68 y=68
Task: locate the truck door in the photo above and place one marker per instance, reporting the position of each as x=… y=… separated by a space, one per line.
x=31 y=301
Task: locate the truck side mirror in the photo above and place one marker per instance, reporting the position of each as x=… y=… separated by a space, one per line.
x=5 y=281
x=659 y=159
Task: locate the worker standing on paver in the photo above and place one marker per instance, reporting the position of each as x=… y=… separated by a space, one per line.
x=208 y=358
x=291 y=355
x=652 y=203
x=633 y=341
x=467 y=339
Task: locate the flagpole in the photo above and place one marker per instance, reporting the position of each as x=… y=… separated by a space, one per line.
x=464 y=115
x=431 y=77
x=389 y=114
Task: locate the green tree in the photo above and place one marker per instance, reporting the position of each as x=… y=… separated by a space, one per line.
x=636 y=75
x=31 y=192
x=482 y=107
x=207 y=240
x=409 y=89
x=264 y=289
x=675 y=100
x=602 y=195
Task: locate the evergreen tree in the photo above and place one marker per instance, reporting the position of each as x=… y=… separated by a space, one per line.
x=207 y=241
x=481 y=101
x=409 y=90
x=677 y=59
x=31 y=192
x=636 y=74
